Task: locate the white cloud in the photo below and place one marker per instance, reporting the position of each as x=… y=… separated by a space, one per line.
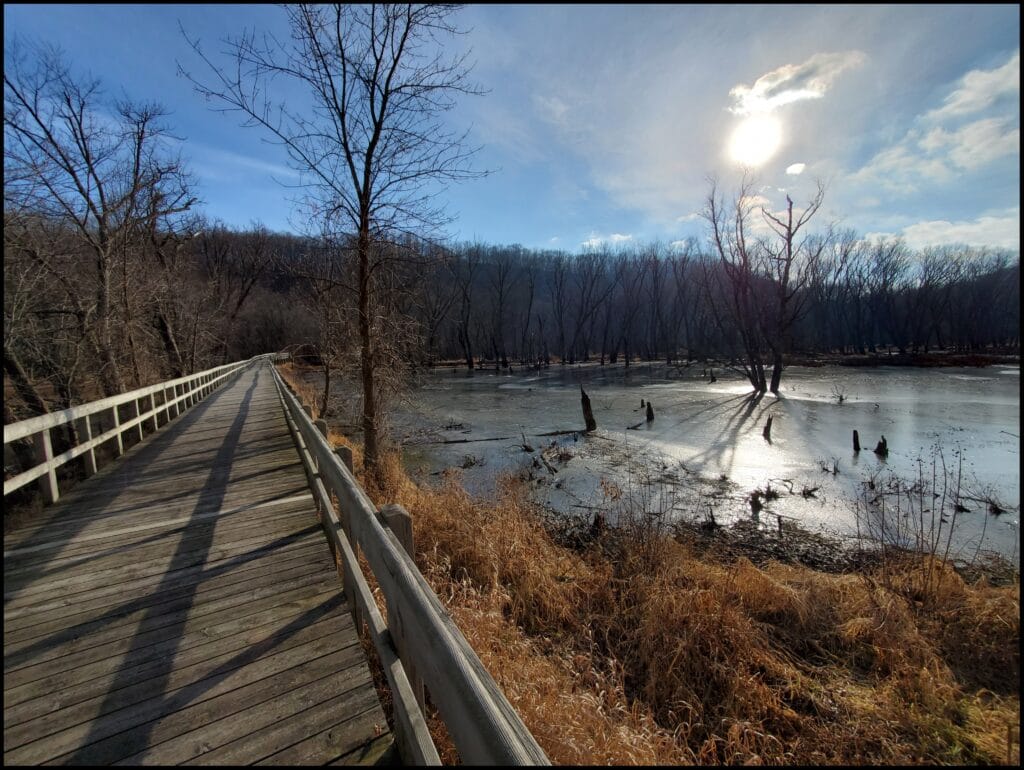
x=978 y=144
x=793 y=82
x=692 y=217
x=979 y=89
x=1000 y=230
x=756 y=201
x=939 y=155
x=552 y=109
x=940 y=147
x=796 y=168
x=596 y=241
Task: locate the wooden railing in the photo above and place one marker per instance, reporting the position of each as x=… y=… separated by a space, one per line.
x=419 y=645
x=175 y=397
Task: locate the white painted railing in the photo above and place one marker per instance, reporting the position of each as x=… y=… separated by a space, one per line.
x=419 y=645
x=175 y=397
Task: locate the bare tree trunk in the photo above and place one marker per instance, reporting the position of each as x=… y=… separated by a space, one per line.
x=22 y=385
x=110 y=371
x=170 y=344
x=129 y=329
x=327 y=386
x=776 y=372
x=371 y=456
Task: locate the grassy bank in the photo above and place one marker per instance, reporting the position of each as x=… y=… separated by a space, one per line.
x=630 y=646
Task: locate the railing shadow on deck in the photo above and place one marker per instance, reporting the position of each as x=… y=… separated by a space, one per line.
x=53 y=525
x=107 y=739
x=95 y=748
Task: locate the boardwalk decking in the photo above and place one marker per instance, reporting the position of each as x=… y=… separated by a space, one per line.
x=181 y=606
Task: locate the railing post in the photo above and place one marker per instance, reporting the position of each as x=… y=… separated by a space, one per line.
x=44 y=453
x=321 y=426
x=117 y=425
x=138 y=413
x=398 y=520
x=90 y=456
x=152 y=408
x=345 y=455
x=167 y=409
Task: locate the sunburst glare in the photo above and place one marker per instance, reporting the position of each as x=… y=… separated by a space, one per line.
x=755 y=140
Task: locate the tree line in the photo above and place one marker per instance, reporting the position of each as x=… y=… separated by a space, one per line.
x=490 y=305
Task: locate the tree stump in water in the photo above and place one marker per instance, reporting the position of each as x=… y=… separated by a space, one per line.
x=882 y=450
x=650 y=412
x=856 y=442
x=588 y=412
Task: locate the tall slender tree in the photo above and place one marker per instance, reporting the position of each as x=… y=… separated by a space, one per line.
x=372 y=148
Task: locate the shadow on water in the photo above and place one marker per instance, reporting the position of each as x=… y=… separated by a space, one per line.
x=721 y=449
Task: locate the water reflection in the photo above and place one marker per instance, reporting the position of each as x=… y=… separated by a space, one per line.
x=716 y=428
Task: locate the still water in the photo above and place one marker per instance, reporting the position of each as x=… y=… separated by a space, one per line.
x=707 y=438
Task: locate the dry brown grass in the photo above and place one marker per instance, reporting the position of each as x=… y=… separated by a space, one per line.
x=637 y=650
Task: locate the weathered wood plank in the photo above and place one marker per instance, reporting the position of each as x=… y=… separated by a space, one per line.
x=163 y=603
x=256 y=731
x=183 y=600
x=93 y=679
x=335 y=719
x=151 y=681
x=129 y=652
x=20 y=605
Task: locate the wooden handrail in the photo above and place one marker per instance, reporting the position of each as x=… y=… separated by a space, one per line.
x=184 y=393
x=482 y=723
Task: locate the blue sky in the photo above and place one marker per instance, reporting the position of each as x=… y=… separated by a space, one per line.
x=603 y=123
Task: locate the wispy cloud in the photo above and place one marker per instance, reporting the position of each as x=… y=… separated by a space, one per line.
x=793 y=82
x=999 y=230
x=976 y=144
x=552 y=109
x=796 y=169
x=225 y=165
x=939 y=155
x=939 y=148
x=979 y=89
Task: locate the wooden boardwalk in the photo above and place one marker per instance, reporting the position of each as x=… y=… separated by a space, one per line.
x=181 y=606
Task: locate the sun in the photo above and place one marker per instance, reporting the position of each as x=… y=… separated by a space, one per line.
x=755 y=140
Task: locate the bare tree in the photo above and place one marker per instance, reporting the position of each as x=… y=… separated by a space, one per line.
x=372 y=148
x=790 y=264
x=765 y=279
x=103 y=179
x=463 y=271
